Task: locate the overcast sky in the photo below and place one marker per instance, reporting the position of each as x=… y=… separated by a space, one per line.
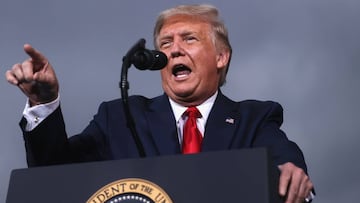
x=303 y=54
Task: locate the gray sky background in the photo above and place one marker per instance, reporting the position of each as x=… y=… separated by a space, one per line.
x=303 y=54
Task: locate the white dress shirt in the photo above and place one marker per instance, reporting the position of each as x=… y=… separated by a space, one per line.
x=204 y=109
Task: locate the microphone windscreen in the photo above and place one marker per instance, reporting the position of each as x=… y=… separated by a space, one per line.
x=149 y=60
x=160 y=60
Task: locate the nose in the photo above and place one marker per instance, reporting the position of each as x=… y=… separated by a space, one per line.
x=176 y=50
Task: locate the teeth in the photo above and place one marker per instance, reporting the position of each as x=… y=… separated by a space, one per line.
x=181 y=75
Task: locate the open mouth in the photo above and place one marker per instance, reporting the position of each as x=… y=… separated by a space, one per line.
x=181 y=70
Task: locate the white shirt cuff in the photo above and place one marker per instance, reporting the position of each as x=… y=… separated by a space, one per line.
x=310 y=197
x=36 y=114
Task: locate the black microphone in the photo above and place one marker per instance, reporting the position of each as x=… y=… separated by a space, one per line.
x=145 y=59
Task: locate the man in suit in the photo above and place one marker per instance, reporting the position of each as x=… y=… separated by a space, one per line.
x=196 y=43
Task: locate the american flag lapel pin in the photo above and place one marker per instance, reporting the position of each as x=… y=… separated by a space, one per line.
x=230 y=120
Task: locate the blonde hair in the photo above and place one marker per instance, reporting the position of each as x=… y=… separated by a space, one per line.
x=205 y=12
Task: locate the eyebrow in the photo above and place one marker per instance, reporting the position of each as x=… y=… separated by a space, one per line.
x=182 y=34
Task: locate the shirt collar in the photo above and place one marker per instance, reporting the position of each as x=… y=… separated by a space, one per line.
x=204 y=108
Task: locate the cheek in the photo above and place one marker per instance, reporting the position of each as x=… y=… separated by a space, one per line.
x=166 y=52
x=203 y=54
x=165 y=75
x=209 y=71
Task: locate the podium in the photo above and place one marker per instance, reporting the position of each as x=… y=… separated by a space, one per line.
x=245 y=176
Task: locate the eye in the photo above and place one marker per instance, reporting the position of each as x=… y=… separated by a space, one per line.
x=190 y=39
x=165 y=44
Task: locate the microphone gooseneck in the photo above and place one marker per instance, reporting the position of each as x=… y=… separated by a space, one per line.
x=143 y=59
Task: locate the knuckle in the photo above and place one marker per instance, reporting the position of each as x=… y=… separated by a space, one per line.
x=15 y=67
x=310 y=184
x=299 y=172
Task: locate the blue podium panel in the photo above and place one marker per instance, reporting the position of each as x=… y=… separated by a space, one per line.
x=245 y=176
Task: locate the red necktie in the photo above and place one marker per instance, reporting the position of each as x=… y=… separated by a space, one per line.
x=192 y=136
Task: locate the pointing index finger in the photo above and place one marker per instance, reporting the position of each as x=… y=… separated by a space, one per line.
x=35 y=55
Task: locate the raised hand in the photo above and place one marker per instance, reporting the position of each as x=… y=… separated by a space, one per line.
x=35 y=77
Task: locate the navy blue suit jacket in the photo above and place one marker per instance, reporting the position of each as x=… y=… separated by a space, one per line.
x=230 y=125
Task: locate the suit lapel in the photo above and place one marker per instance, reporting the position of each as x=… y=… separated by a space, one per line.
x=221 y=124
x=162 y=126
x=219 y=130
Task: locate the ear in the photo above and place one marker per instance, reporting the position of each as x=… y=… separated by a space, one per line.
x=222 y=58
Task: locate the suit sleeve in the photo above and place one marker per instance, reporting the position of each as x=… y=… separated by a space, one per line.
x=48 y=143
x=270 y=135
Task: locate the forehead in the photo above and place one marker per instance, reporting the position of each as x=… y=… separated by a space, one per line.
x=184 y=23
